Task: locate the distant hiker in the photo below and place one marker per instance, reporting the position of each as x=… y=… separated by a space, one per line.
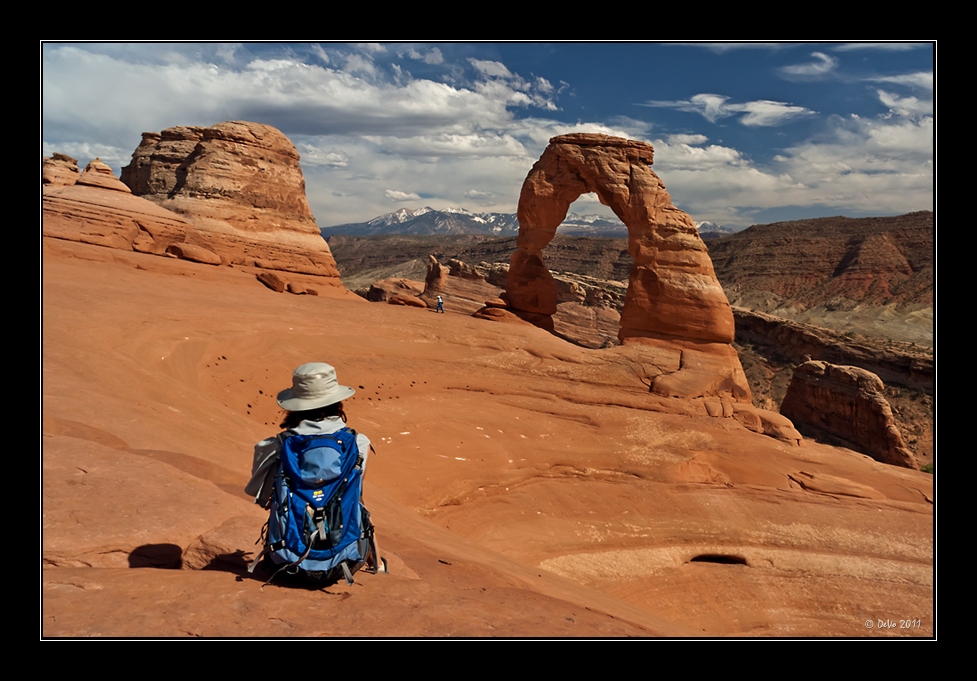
x=440 y=305
x=310 y=478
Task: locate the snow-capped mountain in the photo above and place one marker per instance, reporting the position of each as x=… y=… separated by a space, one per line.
x=712 y=230
x=460 y=221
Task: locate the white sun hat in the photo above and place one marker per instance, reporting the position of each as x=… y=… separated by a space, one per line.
x=314 y=385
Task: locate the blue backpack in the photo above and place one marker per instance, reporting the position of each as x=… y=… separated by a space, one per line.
x=318 y=527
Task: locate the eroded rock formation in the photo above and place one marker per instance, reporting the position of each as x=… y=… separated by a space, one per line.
x=229 y=194
x=673 y=295
x=241 y=186
x=59 y=170
x=99 y=212
x=98 y=174
x=846 y=402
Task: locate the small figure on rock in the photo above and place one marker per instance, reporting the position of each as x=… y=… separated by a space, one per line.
x=440 y=305
x=310 y=478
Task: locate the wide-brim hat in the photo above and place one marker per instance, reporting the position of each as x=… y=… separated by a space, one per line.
x=314 y=385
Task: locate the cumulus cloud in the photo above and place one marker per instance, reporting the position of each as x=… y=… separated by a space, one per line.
x=369 y=133
x=821 y=66
x=759 y=113
x=906 y=106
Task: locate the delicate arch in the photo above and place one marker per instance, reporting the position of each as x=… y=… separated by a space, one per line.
x=672 y=290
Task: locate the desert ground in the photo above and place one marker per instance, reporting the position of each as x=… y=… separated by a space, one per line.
x=521 y=487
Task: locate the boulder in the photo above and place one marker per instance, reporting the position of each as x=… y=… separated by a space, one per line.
x=846 y=404
x=273 y=281
x=194 y=253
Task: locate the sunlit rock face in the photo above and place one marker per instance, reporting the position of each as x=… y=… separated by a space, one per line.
x=241 y=186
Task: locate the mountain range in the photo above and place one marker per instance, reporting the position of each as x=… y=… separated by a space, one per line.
x=428 y=221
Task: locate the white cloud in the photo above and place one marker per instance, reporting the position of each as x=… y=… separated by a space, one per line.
x=759 y=113
x=364 y=131
x=687 y=139
x=313 y=156
x=321 y=53
x=432 y=56
x=921 y=79
x=395 y=195
x=723 y=48
x=906 y=106
x=493 y=69
x=821 y=66
x=887 y=47
x=765 y=113
x=357 y=63
x=371 y=47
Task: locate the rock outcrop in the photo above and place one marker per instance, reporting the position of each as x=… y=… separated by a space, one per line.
x=673 y=295
x=846 y=403
x=98 y=174
x=385 y=290
x=59 y=170
x=230 y=194
x=98 y=212
x=241 y=187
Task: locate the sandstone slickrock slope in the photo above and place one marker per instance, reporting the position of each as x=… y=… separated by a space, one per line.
x=232 y=193
x=846 y=403
x=522 y=486
x=674 y=303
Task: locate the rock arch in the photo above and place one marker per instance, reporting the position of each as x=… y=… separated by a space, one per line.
x=674 y=299
x=673 y=290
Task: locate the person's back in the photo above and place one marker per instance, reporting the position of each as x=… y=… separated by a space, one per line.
x=310 y=478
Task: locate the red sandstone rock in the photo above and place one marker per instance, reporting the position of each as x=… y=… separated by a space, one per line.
x=767 y=422
x=407 y=301
x=673 y=289
x=194 y=253
x=498 y=314
x=437 y=274
x=301 y=290
x=59 y=170
x=846 y=402
x=385 y=289
x=273 y=281
x=98 y=174
x=109 y=218
x=673 y=294
x=241 y=186
x=522 y=485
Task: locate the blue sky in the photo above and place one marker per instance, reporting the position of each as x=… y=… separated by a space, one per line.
x=744 y=133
